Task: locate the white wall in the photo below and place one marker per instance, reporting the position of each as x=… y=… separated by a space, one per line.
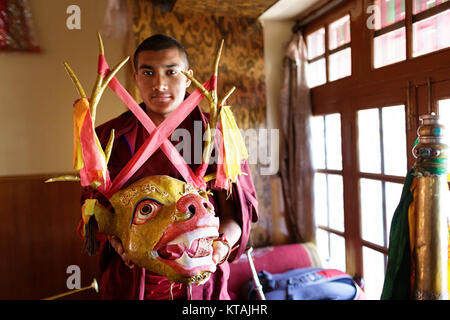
x=276 y=35
x=36 y=94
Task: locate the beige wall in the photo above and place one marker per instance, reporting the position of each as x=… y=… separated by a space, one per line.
x=276 y=34
x=36 y=94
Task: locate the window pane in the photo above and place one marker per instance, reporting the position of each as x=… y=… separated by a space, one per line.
x=369 y=141
x=320 y=199
x=323 y=246
x=422 y=5
x=318 y=142
x=444 y=116
x=316 y=73
x=389 y=12
x=394 y=140
x=336 y=202
x=371 y=203
x=340 y=64
x=393 y=192
x=337 y=252
x=389 y=48
x=373 y=264
x=316 y=43
x=431 y=34
x=333 y=141
x=339 y=32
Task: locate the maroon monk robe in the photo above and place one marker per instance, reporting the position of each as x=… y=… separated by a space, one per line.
x=119 y=281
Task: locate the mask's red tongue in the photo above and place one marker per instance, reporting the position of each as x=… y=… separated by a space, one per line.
x=172 y=251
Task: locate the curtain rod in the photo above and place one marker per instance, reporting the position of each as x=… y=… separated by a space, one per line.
x=299 y=25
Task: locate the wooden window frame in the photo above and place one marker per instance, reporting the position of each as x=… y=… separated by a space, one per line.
x=417 y=82
x=329 y=52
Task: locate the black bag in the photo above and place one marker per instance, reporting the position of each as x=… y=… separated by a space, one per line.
x=306 y=284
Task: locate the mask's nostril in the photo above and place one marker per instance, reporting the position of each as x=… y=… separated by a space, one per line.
x=191 y=209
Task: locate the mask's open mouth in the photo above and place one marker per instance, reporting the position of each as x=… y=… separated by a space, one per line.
x=190 y=252
x=201 y=247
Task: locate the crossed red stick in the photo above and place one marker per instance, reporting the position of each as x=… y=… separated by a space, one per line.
x=158 y=135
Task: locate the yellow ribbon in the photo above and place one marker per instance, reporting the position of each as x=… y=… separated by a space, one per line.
x=79 y=113
x=234 y=145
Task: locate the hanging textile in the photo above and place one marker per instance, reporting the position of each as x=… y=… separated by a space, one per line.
x=296 y=164
x=16 y=27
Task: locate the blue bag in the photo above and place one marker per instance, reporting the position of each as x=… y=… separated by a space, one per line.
x=306 y=284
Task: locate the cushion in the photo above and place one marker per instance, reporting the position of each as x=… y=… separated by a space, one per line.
x=274 y=259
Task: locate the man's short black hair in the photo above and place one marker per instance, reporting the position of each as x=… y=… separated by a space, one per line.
x=159 y=42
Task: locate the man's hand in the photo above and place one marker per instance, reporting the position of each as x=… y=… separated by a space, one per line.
x=117 y=245
x=228 y=226
x=220 y=251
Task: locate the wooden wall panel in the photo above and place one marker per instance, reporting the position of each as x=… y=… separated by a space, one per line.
x=38 y=238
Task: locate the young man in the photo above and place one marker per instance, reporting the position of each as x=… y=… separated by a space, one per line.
x=158 y=61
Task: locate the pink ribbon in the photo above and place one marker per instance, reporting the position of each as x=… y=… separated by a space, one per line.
x=158 y=135
x=93 y=162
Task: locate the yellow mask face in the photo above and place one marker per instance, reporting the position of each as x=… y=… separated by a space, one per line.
x=165 y=226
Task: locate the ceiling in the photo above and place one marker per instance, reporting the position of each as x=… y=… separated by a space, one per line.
x=263 y=9
x=287 y=9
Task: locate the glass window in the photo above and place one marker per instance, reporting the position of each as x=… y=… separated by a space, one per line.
x=339 y=32
x=326 y=142
x=337 y=252
x=320 y=199
x=318 y=142
x=331 y=249
x=444 y=116
x=328 y=189
x=394 y=140
x=316 y=43
x=389 y=12
x=316 y=73
x=382 y=151
x=372 y=210
x=369 y=141
x=422 y=5
x=390 y=48
x=373 y=273
x=340 y=64
x=393 y=193
x=431 y=34
x=336 y=202
x=333 y=141
x=329 y=201
x=389 y=43
x=337 y=57
x=392 y=128
x=340 y=60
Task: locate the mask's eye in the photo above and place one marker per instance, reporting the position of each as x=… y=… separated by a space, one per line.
x=145 y=210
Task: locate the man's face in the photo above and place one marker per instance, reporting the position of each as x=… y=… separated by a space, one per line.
x=161 y=84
